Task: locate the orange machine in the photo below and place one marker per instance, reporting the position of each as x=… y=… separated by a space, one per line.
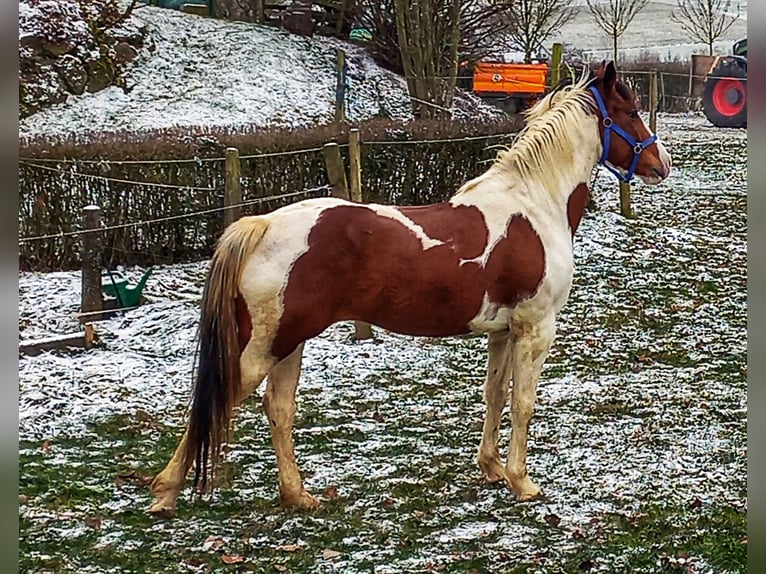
x=511 y=86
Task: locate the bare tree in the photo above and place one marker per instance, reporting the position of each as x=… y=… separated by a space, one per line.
x=614 y=16
x=428 y=32
x=705 y=20
x=532 y=22
x=427 y=40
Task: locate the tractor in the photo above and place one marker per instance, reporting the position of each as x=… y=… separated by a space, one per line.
x=724 y=93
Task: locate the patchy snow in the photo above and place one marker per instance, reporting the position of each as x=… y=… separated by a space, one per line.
x=651 y=35
x=199 y=71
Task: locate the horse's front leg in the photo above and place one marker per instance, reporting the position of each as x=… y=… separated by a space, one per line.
x=531 y=343
x=495 y=395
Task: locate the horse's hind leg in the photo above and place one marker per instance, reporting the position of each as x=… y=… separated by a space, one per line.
x=495 y=395
x=279 y=404
x=531 y=343
x=168 y=484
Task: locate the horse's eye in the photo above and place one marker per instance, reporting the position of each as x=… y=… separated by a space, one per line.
x=634 y=114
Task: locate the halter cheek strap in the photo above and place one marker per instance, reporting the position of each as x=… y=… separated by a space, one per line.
x=609 y=127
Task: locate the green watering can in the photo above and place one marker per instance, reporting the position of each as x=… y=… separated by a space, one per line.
x=116 y=285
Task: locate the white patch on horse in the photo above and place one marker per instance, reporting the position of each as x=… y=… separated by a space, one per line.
x=491 y=317
x=392 y=213
x=522 y=182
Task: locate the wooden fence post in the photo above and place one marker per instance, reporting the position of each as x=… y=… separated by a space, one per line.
x=336 y=173
x=625 y=209
x=653 y=103
x=355 y=168
x=556 y=58
x=259 y=14
x=232 y=195
x=340 y=87
x=362 y=330
x=92 y=253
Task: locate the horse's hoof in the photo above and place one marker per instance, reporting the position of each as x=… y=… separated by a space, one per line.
x=530 y=496
x=524 y=489
x=493 y=478
x=303 y=500
x=161 y=510
x=492 y=470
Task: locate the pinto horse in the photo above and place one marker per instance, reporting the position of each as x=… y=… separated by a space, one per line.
x=495 y=258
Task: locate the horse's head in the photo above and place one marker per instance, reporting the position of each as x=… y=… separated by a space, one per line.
x=628 y=146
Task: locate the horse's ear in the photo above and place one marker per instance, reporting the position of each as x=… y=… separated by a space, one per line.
x=609 y=78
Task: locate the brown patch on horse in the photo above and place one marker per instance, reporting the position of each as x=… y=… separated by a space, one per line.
x=576 y=206
x=466 y=233
x=516 y=265
x=244 y=323
x=361 y=266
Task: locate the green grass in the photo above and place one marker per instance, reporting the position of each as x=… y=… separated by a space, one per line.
x=84 y=509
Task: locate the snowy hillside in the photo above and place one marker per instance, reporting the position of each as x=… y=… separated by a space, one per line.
x=198 y=71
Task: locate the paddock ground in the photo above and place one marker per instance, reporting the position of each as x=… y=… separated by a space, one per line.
x=639 y=439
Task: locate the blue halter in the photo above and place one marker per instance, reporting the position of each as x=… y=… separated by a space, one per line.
x=609 y=127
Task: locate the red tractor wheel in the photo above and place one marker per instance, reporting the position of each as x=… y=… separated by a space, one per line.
x=724 y=98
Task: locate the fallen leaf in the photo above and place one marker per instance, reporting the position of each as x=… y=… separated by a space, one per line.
x=92 y=521
x=552 y=519
x=46 y=447
x=194 y=562
x=328 y=554
x=232 y=559
x=142 y=416
x=212 y=543
x=377 y=417
x=23 y=498
x=577 y=534
x=697 y=503
x=388 y=502
x=331 y=492
x=419 y=514
x=280 y=568
x=289 y=547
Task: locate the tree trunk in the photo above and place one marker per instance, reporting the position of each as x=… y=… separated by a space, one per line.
x=428 y=35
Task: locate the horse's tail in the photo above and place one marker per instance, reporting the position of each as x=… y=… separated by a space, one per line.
x=218 y=386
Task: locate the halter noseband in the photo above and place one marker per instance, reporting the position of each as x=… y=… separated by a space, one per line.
x=609 y=127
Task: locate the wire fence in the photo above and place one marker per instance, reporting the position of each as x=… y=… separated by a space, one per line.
x=258 y=201
x=159 y=211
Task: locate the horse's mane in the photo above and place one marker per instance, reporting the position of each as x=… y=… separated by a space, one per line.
x=550 y=136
